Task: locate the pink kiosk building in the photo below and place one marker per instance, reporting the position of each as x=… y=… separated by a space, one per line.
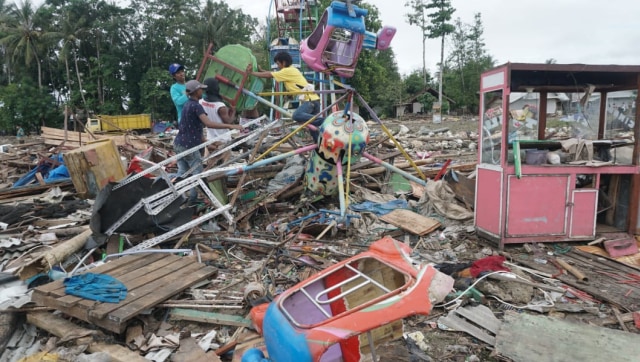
x=558 y=153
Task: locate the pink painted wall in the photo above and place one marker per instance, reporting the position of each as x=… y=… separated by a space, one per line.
x=583 y=213
x=537 y=205
x=488 y=200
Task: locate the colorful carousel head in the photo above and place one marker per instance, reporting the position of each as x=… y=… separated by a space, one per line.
x=338 y=131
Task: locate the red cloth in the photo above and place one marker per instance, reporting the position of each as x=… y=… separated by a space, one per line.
x=488 y=264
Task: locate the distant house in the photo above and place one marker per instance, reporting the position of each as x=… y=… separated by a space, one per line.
x=412 y=106
x=615 y=100
x=555 y=101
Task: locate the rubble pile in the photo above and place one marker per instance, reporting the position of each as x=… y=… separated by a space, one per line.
x=197 y=279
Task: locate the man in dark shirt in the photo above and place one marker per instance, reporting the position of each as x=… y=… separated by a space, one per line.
x=191 y=133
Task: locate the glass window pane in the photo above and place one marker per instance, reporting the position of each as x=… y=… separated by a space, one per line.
x=491 y=127
x=621 y=113
x=523 y=116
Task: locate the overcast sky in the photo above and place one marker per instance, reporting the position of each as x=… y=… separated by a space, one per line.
x=519 y=31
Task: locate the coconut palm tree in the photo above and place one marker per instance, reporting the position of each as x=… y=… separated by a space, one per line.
x=22 y=36
x=70 y=32
x=5 y=10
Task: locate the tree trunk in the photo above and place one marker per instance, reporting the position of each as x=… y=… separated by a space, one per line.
x=424 y=53
x=441 y=71
x=66 y=64
x=39 y=72
x=100 y=95
x=424 y=61
x=75 y=59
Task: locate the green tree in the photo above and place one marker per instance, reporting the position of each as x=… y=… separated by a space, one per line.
x=466 y=62
x=5 y=11
x=440 y=27
x=376 y=77
x=28 y=106
x=418 y=17
x=220 y=25
x=23 y=36
x=154 y=91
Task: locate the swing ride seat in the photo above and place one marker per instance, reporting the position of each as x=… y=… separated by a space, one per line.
x=339 y=313
x=335 y=44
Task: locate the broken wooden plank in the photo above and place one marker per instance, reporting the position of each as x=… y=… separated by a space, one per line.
x=624 y=318
x=601 y=287
x=103 y=269
x=411 y=221
x=161 y=290
x=148 y=285
x=209 y=317
x=125 y=275
x=481 y=316
x=551 y=339
x=476 y=322
x=138 y=282
x=68 y=331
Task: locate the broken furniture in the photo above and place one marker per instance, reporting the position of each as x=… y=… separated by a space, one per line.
x=93 y=166
x=150 y=279
x=340 y=313
x=567 y=200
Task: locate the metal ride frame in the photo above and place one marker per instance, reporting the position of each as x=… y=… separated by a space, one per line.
x=156 y=203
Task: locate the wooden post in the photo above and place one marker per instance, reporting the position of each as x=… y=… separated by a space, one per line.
x=66 y=124
x=54 y=256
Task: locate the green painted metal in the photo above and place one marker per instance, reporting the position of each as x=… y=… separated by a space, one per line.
x=238 y=57
x=517 y=159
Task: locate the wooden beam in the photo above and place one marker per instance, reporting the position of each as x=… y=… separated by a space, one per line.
x=68 y=331
x=542 y=115
x=209 y=317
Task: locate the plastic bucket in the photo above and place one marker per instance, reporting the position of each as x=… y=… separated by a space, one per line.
x=535 y=157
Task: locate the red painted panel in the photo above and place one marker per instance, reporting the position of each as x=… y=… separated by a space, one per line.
x=583 y=213
x=488 y=200
x=536 y=205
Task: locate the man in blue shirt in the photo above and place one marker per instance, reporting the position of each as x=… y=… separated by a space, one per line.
x=191 y=133
x=178 y=94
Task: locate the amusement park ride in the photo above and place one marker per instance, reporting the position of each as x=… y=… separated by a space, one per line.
x=342 y=312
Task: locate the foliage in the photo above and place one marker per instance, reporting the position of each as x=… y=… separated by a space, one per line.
x=440 y=27
x=466 y=62
x=377 y=78
x=413 y=83
x=105 y=57
x=440 y=18
x=418 y=17
x=26 y=105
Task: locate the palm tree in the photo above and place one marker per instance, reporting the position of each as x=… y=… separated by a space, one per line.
x=5 y=10
x=70 y=33
x=22 y=36
x=440 y=27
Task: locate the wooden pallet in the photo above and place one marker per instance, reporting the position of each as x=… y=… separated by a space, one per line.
x=150 y=279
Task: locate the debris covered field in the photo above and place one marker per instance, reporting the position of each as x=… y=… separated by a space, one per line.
x=192 y=273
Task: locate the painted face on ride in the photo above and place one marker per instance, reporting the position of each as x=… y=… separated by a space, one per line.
x=335 y=133
x=322 y=175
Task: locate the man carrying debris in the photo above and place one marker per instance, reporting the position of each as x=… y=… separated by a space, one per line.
x=178 y=94
x=294 y=81
x=191 y=128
